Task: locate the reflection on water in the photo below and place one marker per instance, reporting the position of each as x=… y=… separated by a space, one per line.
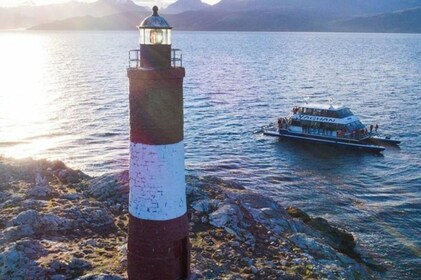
x=64 y=96
x=23 y=98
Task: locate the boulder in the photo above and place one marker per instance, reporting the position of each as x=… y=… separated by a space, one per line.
x=110 y=187
x=226 y=216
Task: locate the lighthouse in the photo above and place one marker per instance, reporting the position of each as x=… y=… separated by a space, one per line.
x=158 y=244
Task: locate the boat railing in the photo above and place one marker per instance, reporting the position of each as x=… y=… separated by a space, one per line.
x=329 y=133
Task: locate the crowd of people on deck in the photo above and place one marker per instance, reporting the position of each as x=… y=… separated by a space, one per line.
x=354 y=134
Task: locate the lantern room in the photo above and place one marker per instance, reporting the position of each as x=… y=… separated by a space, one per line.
x=155 y=41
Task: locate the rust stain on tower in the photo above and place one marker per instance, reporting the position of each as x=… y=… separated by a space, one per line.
x=158 y=244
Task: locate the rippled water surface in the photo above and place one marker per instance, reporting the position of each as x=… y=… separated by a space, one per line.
x=64 y=96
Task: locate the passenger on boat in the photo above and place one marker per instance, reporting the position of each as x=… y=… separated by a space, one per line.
x=371 y=128
x=376 y=127
x=282 y=123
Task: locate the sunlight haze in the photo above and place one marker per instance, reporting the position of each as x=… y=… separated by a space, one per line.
x=163 y=3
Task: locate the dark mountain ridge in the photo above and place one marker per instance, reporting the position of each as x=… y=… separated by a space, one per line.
x=328 y=7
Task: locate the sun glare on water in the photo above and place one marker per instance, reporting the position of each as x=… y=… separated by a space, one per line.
x=23 y=95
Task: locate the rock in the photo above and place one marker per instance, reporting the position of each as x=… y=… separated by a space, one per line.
x=254 y=269
x=32 y=203
x=58 y=277
x=79 y=263
x=235 y=244
x=80 y=231
x=68 y=175
x=100 y=276
x=226 y=216
x=28 y=217
x=41 y=188
x=51 y=222
x=89 y=216
x=72 y=196
x=16 y=264
x=110 y=186
x=205 y=205
x=339 y=239
x=298 y=213
x=313 y=246
x=14 y=233
x=40 y=223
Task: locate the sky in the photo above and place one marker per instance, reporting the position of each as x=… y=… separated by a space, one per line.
x=45 y=2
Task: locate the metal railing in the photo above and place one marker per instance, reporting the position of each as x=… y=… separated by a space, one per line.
x=176 y=58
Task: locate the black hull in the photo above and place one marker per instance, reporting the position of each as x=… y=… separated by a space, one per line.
x=343 y=143
x=382 y=141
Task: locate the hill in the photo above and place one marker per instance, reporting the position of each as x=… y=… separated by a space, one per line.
x=241 y=15
x=338 y=8
x=405 y=21
x=30 y=15
x=185 y=5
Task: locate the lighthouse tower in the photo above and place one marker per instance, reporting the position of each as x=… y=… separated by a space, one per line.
x=158 y=244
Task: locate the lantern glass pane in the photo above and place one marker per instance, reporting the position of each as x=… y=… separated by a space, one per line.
x=152 y=36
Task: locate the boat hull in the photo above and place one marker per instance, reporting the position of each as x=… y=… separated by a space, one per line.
x=382 y=141
x=344 y=143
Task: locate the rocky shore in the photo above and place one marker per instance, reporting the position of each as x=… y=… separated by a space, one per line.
x=58 y=223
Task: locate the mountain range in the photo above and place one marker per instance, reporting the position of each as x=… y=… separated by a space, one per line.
x=229 y=15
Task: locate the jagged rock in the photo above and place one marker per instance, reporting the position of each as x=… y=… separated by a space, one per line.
x=32 y=203
x=110 y=186
x=58 y=277
x=205 y=205
x=17 y=262
x=298 y=213
x=81 y=230
x=89 y=216
x=12 y=201
x=72 y=196
x=41 y=187
x=339 y=239
x=14 y=233
x=68 y=175
x=79 y=264
x=28 y=217
x=37 y=222
x=314 y=247
x=101 y=276
x=226 y=216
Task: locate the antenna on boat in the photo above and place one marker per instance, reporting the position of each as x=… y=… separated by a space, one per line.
x=331 y=100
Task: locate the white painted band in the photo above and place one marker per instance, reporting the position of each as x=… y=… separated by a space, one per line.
x=157 y=181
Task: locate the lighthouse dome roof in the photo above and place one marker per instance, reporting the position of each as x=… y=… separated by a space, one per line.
x=154 y=21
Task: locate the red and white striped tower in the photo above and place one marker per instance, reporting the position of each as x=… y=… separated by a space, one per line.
x=158 y=244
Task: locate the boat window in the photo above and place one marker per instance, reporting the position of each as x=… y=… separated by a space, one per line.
x=331 y=114
x=343 y=113
x=354 y=126
x=295 y=122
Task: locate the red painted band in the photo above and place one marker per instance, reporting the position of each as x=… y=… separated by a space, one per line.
x=158 y=249
x=156 y=106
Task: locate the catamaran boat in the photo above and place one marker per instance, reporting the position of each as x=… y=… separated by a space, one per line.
x=329 y=124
